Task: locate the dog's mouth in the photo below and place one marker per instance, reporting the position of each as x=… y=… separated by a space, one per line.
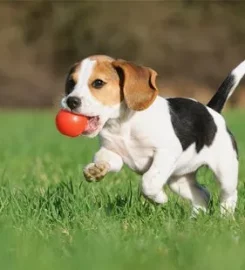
x=93 y=125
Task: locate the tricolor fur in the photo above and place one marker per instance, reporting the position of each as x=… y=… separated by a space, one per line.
x=166 y=140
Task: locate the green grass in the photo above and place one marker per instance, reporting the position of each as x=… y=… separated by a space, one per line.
x=50 y=218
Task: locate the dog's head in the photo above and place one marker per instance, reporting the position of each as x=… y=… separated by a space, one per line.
x=99 y=86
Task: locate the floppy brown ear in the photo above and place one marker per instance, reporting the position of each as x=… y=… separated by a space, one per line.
x=138 y=84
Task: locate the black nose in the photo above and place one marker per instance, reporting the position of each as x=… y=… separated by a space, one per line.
x=73 y=102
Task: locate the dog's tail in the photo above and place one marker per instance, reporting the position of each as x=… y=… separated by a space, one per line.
x=227 y=88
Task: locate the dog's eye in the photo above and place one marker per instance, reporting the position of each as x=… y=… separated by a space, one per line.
x=98 y=83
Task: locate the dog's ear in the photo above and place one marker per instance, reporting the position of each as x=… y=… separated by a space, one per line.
x=138 y=84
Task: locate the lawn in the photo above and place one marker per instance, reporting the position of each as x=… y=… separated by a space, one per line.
x=50 y=218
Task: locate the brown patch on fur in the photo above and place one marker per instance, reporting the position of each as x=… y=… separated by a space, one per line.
x=110 y=94
x=139 y=85
x=124 y=80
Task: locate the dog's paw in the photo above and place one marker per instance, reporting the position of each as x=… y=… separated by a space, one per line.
x=96 y=171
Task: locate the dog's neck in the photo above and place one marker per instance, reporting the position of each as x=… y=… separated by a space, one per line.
x=124 y=116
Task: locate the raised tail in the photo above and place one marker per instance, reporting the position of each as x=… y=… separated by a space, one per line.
x=227 y=88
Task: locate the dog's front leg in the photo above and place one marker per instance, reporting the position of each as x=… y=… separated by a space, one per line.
x=157 y=176
x=104 y=161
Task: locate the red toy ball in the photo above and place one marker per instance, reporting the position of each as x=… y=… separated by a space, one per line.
x=70 y=124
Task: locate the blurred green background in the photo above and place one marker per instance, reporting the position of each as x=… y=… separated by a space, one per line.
x=191 y=44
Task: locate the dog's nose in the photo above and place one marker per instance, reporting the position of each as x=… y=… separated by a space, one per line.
x=73 y=102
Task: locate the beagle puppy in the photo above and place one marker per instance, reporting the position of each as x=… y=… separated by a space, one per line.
x=166 y=140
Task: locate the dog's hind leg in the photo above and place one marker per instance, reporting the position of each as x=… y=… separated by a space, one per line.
x=187 y=187
x=227 y=176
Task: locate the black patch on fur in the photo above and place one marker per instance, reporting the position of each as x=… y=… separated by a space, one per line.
x=217 y=102
x=70 y=83
x=233 y=141
x=192 y=123
x=121 y=76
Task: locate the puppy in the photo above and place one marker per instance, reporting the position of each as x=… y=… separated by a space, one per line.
x=166 y=140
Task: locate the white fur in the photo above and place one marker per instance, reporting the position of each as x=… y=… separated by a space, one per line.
x=147 y=143
x=238 y=73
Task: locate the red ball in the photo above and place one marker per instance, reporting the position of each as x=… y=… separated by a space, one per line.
x=70 y=124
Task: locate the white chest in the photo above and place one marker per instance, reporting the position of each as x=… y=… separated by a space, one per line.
x=134 y=150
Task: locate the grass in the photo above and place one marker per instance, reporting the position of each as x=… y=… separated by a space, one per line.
x=50 y=218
